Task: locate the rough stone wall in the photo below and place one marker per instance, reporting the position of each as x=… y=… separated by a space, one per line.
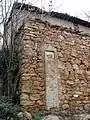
x=72 y=56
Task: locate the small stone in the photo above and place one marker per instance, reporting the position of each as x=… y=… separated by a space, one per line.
x=79 y=93
x=34 y=97
x=41 y=26
x=28 y=115
x=61 y=65
x=75 y=95
x=75 y=66
x=86 y=106
x=80 y=108
x=88 y=72
x=73 y=53
x=72 y=43
x=27 y=102
x=24 y=96
x=77 y=61
x=61 y=37
x=65 y=106
x=70 y=82
x=68 y=66
x=20 y=115
x=36 y=83
x=82 y=81
x=83 y=37
x=79 y=102
x=25 y=89
x=79 y=71
x=40 y=102
x=82 y=46
x=85 y=101
x=86 y=62
x=77 y=80
x=82 y=89
x=60 y=54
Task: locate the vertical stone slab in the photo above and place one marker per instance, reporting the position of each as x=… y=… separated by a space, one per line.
x=52 y=99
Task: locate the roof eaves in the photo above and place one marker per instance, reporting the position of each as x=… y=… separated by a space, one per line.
x=63 y=16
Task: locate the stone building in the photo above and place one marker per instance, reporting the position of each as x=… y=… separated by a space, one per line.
x=54 y=52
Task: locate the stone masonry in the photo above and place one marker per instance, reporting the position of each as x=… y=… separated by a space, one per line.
x=55 y=68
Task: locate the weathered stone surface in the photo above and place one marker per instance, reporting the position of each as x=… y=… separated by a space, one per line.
x=34 y=97
x=64 y=80
x=50 y=117
x=65 y=106
x=40 y=102
x=52 y=100
x=75 y=66
x=24 y=115
x=28 y=115
x=27 y=102
x=88 y=73
x=24 y=96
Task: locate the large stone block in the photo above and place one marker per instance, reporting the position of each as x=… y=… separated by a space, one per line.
x=50 y=117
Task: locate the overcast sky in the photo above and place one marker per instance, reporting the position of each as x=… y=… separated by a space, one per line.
x=77 y=8
x=72 y=7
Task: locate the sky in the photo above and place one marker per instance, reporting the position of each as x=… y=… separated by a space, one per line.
x=77 y=8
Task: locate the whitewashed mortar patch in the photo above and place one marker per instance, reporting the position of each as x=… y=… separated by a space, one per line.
x=52 y=99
